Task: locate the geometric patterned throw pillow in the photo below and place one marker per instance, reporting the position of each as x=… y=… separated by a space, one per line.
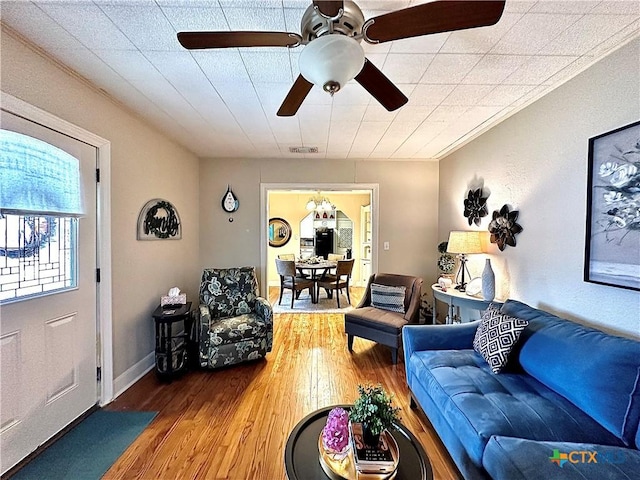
x=495 y=337
x=387 y=297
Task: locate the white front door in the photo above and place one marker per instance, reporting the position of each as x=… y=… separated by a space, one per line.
x=48 y=342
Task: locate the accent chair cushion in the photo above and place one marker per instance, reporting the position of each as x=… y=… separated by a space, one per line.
x=495 y=337
x=388 y=298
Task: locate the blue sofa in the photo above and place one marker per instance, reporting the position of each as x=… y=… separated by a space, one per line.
x=567 y=406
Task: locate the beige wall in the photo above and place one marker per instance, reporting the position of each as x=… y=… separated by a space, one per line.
x=144 y=165
x=291 y=207
x=536 y=161
x=408 y=193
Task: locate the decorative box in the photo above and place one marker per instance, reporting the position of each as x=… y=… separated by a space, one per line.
x=168 y=300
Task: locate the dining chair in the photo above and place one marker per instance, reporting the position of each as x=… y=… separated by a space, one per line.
x=338 y=281
x=288 y=280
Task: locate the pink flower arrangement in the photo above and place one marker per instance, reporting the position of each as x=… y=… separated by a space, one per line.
x=335 y=434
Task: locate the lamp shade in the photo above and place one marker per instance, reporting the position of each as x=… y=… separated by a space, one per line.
x=464 y=242
x=37 y=178
x=331 y=61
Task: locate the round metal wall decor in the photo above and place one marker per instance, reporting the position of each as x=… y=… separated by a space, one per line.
x=279 y=232
x=475 y=206
x=503 y=227
x=159 y=220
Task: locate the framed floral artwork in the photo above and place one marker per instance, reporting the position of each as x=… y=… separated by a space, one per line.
x=612 y=246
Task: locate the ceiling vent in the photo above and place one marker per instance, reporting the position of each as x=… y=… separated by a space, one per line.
x=303 y=149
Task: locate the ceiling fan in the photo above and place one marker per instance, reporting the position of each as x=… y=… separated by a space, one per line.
x=332 y=31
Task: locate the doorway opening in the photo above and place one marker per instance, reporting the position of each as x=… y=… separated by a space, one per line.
x=308 y=209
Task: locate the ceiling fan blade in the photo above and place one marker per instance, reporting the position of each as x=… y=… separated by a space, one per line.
x=380 y=87
x=329 y=8
x=198 y=40
x=434 y=17
x=295 y=97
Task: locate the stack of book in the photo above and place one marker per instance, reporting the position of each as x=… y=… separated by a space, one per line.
x=381 y=459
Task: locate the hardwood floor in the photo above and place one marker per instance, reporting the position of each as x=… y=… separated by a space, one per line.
x=233 y=423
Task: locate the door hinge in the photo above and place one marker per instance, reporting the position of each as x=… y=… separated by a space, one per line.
x=97 y=175
x=99 y=374
x=97 y=275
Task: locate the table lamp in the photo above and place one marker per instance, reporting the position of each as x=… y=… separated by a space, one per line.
x=464 y=243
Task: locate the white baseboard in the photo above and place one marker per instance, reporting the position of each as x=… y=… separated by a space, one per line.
x=122 y=383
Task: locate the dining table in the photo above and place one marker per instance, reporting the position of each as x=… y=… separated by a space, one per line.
x=317 y=269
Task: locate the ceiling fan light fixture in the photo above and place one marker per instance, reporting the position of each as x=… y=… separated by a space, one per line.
x=331 y=61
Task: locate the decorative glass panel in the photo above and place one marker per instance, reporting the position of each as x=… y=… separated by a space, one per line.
x=37 y=255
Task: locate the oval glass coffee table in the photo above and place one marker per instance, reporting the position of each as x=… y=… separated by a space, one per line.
x=302 y=458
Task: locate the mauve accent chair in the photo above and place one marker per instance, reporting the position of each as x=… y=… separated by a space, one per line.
x=383 y=326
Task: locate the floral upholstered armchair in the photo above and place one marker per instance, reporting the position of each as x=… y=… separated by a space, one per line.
x=235 y=325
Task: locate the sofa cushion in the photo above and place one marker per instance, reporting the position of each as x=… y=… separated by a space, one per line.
x=496 y=336
x=383 y=320
x=388 y=298
x=519 y=459
x=478 y=404
x=578 y=362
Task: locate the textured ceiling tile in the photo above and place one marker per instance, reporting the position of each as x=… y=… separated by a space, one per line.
x=395 y=136
x=224 y=65
x=203 y=18
x=631 y=7
x=89 y=25
x=347 y=113
x=272 y=94
x=480 y=40
x=446 y=114
x=268 y=66
x=238 y=92
x=134 y=22
x=537 y=70
x=406 y=67
x=425 y=44
x=262 y=19
x=377 y=113
x=619 y=38
x=493 y=69
x=34 y=24
x=88 y=65
x=564 y=6
x=587 y=33
x=467 y=94
x=533 y=32
x=130 y=64
x=569 y=71
x=430 y=94
x=368 y=136
x=504 y=95
x=518 y=6
x=449 y=68
x=293 y=17
x=413 y=114
x=351 y=94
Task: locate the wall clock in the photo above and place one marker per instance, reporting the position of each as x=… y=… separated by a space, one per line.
x=230 y=202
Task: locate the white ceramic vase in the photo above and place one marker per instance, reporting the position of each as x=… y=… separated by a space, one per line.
x=488 y=282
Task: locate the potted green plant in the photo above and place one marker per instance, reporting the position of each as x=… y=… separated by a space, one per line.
x=375 y=411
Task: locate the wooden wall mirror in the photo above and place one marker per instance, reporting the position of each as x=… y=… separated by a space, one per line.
x=279 y=232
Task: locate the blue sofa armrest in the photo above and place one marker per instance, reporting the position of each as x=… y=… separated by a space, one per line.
x=437 y=337
x=520 y=459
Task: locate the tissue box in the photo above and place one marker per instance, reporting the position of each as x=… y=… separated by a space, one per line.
x=167 y=300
